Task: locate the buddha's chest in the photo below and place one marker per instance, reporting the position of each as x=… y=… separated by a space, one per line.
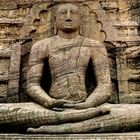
x=69 y=56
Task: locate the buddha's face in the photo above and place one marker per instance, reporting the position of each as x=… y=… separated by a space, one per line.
x=68 y=18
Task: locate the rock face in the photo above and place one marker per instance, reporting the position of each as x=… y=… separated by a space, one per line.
x=115 y=23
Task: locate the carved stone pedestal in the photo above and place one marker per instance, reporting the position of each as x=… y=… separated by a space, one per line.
x=102 y=136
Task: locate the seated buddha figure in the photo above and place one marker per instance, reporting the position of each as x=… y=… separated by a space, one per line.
x=67 y=107
x=68 y=55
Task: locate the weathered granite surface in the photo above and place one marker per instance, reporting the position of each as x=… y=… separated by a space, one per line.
x=110 y=136
x=24 y=22
x=27 y=21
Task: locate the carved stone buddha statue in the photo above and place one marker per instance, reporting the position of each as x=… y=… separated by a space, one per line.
x=67 y=107
x=68 y=55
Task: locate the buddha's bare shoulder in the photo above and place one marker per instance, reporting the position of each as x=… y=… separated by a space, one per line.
x=92 y=42
x=42 y=44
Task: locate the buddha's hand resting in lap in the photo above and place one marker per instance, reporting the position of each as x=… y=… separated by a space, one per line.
x=86 y=104
x=58 y=103
x=82 y=105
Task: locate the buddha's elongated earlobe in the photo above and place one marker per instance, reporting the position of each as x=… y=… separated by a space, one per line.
x=55 y=28
x=81 y=23
x=80 y=28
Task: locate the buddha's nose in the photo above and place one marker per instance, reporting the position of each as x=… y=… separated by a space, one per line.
x=68 y=15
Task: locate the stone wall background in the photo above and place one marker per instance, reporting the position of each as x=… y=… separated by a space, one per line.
x=113 y=22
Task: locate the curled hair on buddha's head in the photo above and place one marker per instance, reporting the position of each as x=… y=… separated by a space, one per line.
x=70 y=4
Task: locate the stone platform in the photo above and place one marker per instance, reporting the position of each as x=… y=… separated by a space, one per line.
x=107 y=136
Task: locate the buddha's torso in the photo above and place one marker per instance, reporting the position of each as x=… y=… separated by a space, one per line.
x=68 y=60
